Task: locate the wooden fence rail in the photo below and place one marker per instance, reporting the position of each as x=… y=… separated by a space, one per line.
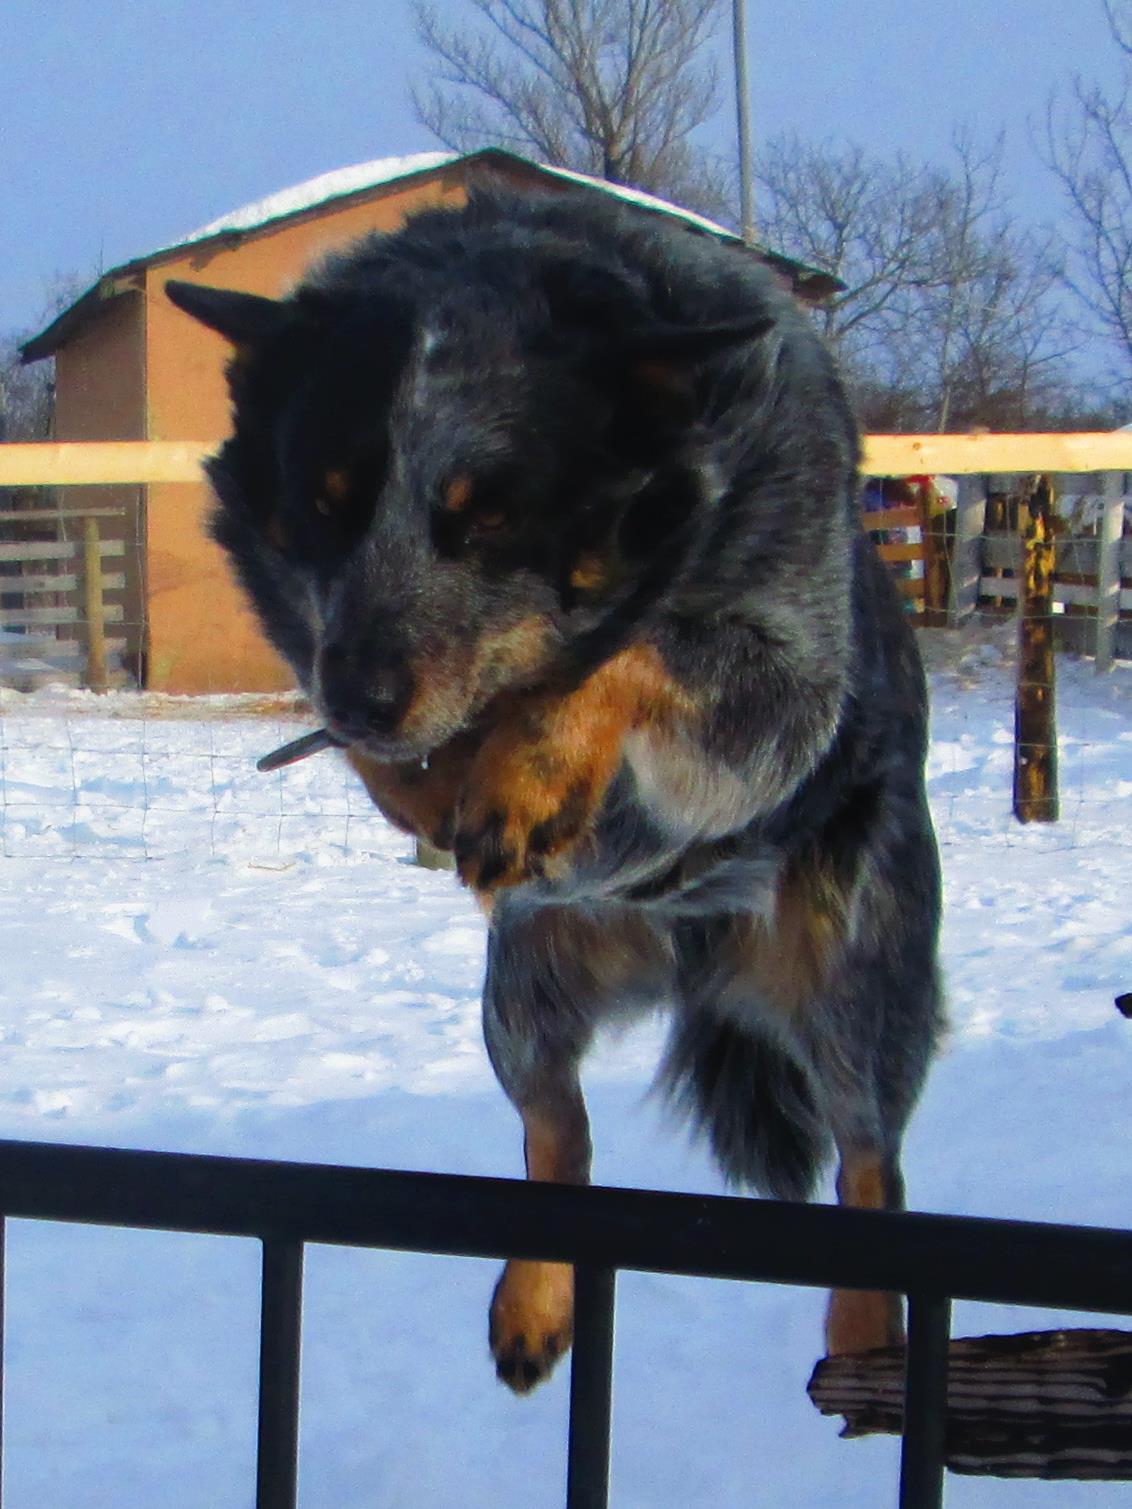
x=54 y=611
x=73 y=463
x=1104 y=561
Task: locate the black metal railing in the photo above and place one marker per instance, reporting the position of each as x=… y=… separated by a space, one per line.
x=931 y=1259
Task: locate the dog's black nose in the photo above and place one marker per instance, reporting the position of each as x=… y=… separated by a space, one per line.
x=358 y=696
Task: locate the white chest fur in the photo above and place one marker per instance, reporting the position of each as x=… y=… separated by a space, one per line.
x=686 y=794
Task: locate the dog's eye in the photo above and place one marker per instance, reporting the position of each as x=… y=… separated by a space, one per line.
x=333 y=494
x=486 y=522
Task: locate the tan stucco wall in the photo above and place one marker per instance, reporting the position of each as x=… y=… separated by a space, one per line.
x=100 y=395
x=202 y=636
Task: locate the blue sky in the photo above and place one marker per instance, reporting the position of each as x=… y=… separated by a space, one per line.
x=127 y=125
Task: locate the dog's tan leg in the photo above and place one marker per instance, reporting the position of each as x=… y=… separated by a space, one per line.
x=532 y=1312
x=860 y=1319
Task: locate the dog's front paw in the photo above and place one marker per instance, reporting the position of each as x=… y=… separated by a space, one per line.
x=541 y=775
x=519 y=820
x=532 y=1322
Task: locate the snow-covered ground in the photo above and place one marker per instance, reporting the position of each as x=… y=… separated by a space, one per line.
x=197 y=957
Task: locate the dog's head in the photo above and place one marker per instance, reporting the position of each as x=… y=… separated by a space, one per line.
x=445 y=487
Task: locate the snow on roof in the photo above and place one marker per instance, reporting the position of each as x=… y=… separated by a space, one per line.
x=316 y=191
x=371 y=175
x=638 y=196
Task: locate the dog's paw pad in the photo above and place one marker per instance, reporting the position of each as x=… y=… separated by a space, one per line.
x=484 y=857
x=524 y=1362
x=532 y=1322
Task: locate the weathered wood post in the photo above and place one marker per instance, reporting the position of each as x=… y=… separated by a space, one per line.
x=428 y=857
x=94 y=620
x=937 y=566
x=1035 y=723
x=1108 y=570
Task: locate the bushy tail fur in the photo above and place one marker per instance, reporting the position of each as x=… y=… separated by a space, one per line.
x=753 y=1101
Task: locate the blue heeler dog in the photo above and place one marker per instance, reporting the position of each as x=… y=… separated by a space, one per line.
x=552 y=506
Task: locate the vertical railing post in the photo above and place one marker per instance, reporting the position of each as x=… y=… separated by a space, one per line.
x=1108 y=570
x=277 y=1460
x=925 y=1402
x=3 y=1288
x=591 y=1388
x=967 y=550
x=94 y=608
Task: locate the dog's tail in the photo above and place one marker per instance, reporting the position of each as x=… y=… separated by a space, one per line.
x=754 y=1102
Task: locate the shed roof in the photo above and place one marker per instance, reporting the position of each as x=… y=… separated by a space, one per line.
x=329 y=191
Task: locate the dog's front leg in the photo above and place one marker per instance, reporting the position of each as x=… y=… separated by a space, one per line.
x=553 y=974
x=532 y=1310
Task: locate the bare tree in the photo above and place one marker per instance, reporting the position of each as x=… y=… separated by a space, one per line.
x=947 y=316
x=1088 y=145
x=616 y=88
x=857 y=216
x=27 y=395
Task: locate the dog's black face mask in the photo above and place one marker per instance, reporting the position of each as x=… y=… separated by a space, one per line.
x=431 y=506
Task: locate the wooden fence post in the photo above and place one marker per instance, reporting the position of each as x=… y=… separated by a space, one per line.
x=428 y=857
x=94 y=625
x=966 y=555
x=1035 y=723
x=1108 y=570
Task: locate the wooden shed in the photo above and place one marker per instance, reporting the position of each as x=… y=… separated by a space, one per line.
x=129 y=366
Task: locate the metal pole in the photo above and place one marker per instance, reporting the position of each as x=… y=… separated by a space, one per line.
x=280 y=1323
x=925 y=1402
x=591 y=1388
x=743 y=119
x=3 y=1282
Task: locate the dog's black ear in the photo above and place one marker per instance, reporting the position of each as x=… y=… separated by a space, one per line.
x=589 y=298
x=683 y=345
x=657 y=375
x=245 y=319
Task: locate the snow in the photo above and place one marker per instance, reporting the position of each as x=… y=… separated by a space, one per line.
x=201 y=958
x=316 y=191
x=371 y=175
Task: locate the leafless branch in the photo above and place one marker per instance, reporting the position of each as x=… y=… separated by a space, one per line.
x=617 y=88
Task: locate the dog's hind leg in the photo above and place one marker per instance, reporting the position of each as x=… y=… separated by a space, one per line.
x=552 y=975
x=858 y=1320
x=873 y=1042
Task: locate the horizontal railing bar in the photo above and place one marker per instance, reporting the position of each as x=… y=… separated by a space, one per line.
x=77 y=463
x=65 y=582
x=99 y=463
x=959 y=455
x=64 y=614
x=54 y=550
x=1012 y=1262
x=58 y=515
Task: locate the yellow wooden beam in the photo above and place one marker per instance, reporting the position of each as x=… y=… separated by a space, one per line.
x=79 y=462
x=912 y=455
